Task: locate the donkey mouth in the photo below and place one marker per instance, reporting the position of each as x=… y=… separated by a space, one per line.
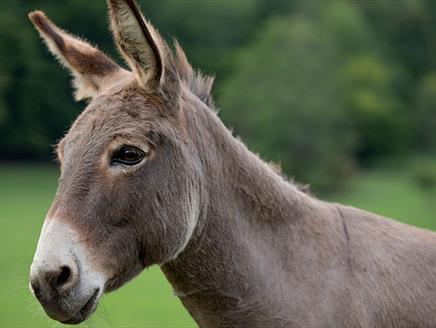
x=85 y=311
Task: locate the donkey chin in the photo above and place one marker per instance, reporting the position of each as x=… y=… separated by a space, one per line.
x=63 y=277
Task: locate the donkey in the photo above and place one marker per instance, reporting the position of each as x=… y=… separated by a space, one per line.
x=150 y=175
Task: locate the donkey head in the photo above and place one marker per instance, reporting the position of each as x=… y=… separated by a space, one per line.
x=129 y=189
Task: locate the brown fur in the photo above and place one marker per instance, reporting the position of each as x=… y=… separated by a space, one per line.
x=90 y=67
x=261 y=253
x=92 y=62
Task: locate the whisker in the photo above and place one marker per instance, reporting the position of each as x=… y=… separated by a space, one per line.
x=12 y=289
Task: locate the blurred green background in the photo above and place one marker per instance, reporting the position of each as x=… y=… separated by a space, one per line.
x=342 y=94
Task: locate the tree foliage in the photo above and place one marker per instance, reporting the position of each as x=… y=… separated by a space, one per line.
x=319 y=86
x=314 y=92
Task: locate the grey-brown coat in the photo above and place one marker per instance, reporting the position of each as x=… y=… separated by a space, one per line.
x=150 y=175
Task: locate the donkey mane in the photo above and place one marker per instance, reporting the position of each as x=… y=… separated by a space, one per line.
x=200 y=84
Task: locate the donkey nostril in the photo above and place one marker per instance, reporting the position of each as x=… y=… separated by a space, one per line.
x=64 y=276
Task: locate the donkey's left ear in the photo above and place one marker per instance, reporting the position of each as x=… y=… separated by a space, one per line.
x=143 y=48
x=89 y=66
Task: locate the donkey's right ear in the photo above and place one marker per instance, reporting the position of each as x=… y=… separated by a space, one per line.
x=143 y=48
x=88 y=65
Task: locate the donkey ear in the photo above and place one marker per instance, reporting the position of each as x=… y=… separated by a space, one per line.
x=88 y=65
x=142 y=47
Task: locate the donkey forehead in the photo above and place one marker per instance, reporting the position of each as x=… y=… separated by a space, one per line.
x=125 y=112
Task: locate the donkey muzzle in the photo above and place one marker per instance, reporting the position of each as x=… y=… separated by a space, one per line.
x=61 y=275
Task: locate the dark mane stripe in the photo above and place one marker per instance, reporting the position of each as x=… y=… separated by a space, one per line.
x=200 y=84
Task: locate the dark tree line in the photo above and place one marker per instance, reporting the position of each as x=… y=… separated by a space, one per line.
x=322 y=87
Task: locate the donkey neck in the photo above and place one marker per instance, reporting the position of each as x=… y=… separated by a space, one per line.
x=249 y=212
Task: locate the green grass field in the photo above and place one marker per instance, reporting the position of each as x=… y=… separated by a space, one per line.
x=147 y=301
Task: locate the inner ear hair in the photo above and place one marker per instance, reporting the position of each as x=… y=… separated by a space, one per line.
x=144 y=50
x=137 y=41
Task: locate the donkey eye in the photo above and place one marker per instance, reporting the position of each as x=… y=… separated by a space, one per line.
x=128 y=155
